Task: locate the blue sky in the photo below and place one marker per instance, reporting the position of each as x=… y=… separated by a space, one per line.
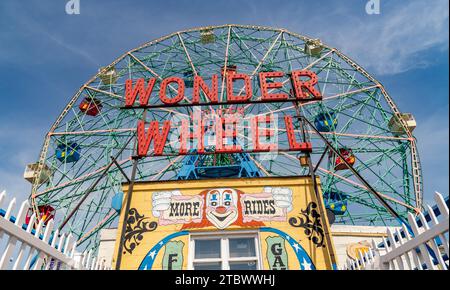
x=46 y=55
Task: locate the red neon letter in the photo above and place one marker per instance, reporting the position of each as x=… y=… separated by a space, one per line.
x=186 y=134
x=162 y=93
x=262 y=132
x=265 y=87
x=199 y=83
x=145 y=138
x=304 y=89
x=224 y=131
x=293 y=144
x=231 y=77
x=144 y=93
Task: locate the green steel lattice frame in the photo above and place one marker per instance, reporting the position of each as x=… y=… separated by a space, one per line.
x=362 y=106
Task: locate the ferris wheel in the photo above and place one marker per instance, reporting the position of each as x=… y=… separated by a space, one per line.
x=88 y=152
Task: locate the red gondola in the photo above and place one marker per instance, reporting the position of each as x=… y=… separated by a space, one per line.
x=90 y=106
x=46 y=213
x=349 y=157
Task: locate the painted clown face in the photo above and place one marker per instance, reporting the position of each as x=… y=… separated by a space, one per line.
x=221 y=207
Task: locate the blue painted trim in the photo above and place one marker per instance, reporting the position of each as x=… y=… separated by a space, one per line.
x=302 y=255
x=149 y=259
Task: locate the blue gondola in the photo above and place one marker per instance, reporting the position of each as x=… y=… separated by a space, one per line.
x=335 y=201
x=68 y=152
x=117 y=200
x=326 y=122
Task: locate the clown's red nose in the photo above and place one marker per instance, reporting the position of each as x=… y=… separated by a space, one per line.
x=221 y=209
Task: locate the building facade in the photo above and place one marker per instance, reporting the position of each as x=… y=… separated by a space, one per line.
x=221 y=224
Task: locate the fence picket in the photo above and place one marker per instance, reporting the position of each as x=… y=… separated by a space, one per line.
x=72 y=251
x=40 y=247
x=21 y=220
x=406 y=257
x=42 y=256
x=432 y=242
x=440 y=202
x=2 y=198
x=88 y=261
x=11 y=241
x=422 y=247
x=61 y=242
x=84 y=259
x=67 y=244
x=361 y=259
x=435 y=222
x=29 y=257
x=91 y=267
x=53 y=245
x=397 y=261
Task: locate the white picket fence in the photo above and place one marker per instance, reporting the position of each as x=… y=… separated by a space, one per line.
x=38 y=248
x=400 y=251
x=87 y=261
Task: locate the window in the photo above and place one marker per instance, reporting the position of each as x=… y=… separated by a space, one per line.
x=214 y=252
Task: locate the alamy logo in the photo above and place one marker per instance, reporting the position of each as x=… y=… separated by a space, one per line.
x=73 y=7
x=373 y=7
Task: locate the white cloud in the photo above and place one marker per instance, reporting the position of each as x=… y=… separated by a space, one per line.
x=396 y=40
x=403 y=37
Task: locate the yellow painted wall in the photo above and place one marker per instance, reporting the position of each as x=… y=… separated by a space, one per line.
x=141 y=233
